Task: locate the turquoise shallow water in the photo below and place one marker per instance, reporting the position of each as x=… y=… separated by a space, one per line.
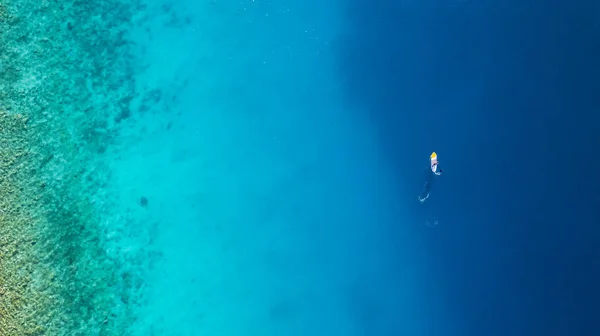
x=270 y=210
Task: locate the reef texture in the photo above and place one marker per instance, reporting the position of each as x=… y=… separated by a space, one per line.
x=65 y=86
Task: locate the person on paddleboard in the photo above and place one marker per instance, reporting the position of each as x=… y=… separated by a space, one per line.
x=433 y=171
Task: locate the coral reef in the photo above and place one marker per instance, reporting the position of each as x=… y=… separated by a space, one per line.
x=66 y=82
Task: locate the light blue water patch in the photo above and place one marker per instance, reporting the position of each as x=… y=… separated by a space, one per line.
x=270 y=209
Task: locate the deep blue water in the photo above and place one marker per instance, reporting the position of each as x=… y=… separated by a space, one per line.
x=508 y=94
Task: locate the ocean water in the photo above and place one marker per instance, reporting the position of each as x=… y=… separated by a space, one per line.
x=252 y=167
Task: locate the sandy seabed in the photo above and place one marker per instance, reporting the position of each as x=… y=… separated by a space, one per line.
x=66 y=90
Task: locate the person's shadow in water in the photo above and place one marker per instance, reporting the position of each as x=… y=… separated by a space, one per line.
x=427 y=202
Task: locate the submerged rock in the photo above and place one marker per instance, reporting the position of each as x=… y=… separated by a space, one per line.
x=144 y=202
